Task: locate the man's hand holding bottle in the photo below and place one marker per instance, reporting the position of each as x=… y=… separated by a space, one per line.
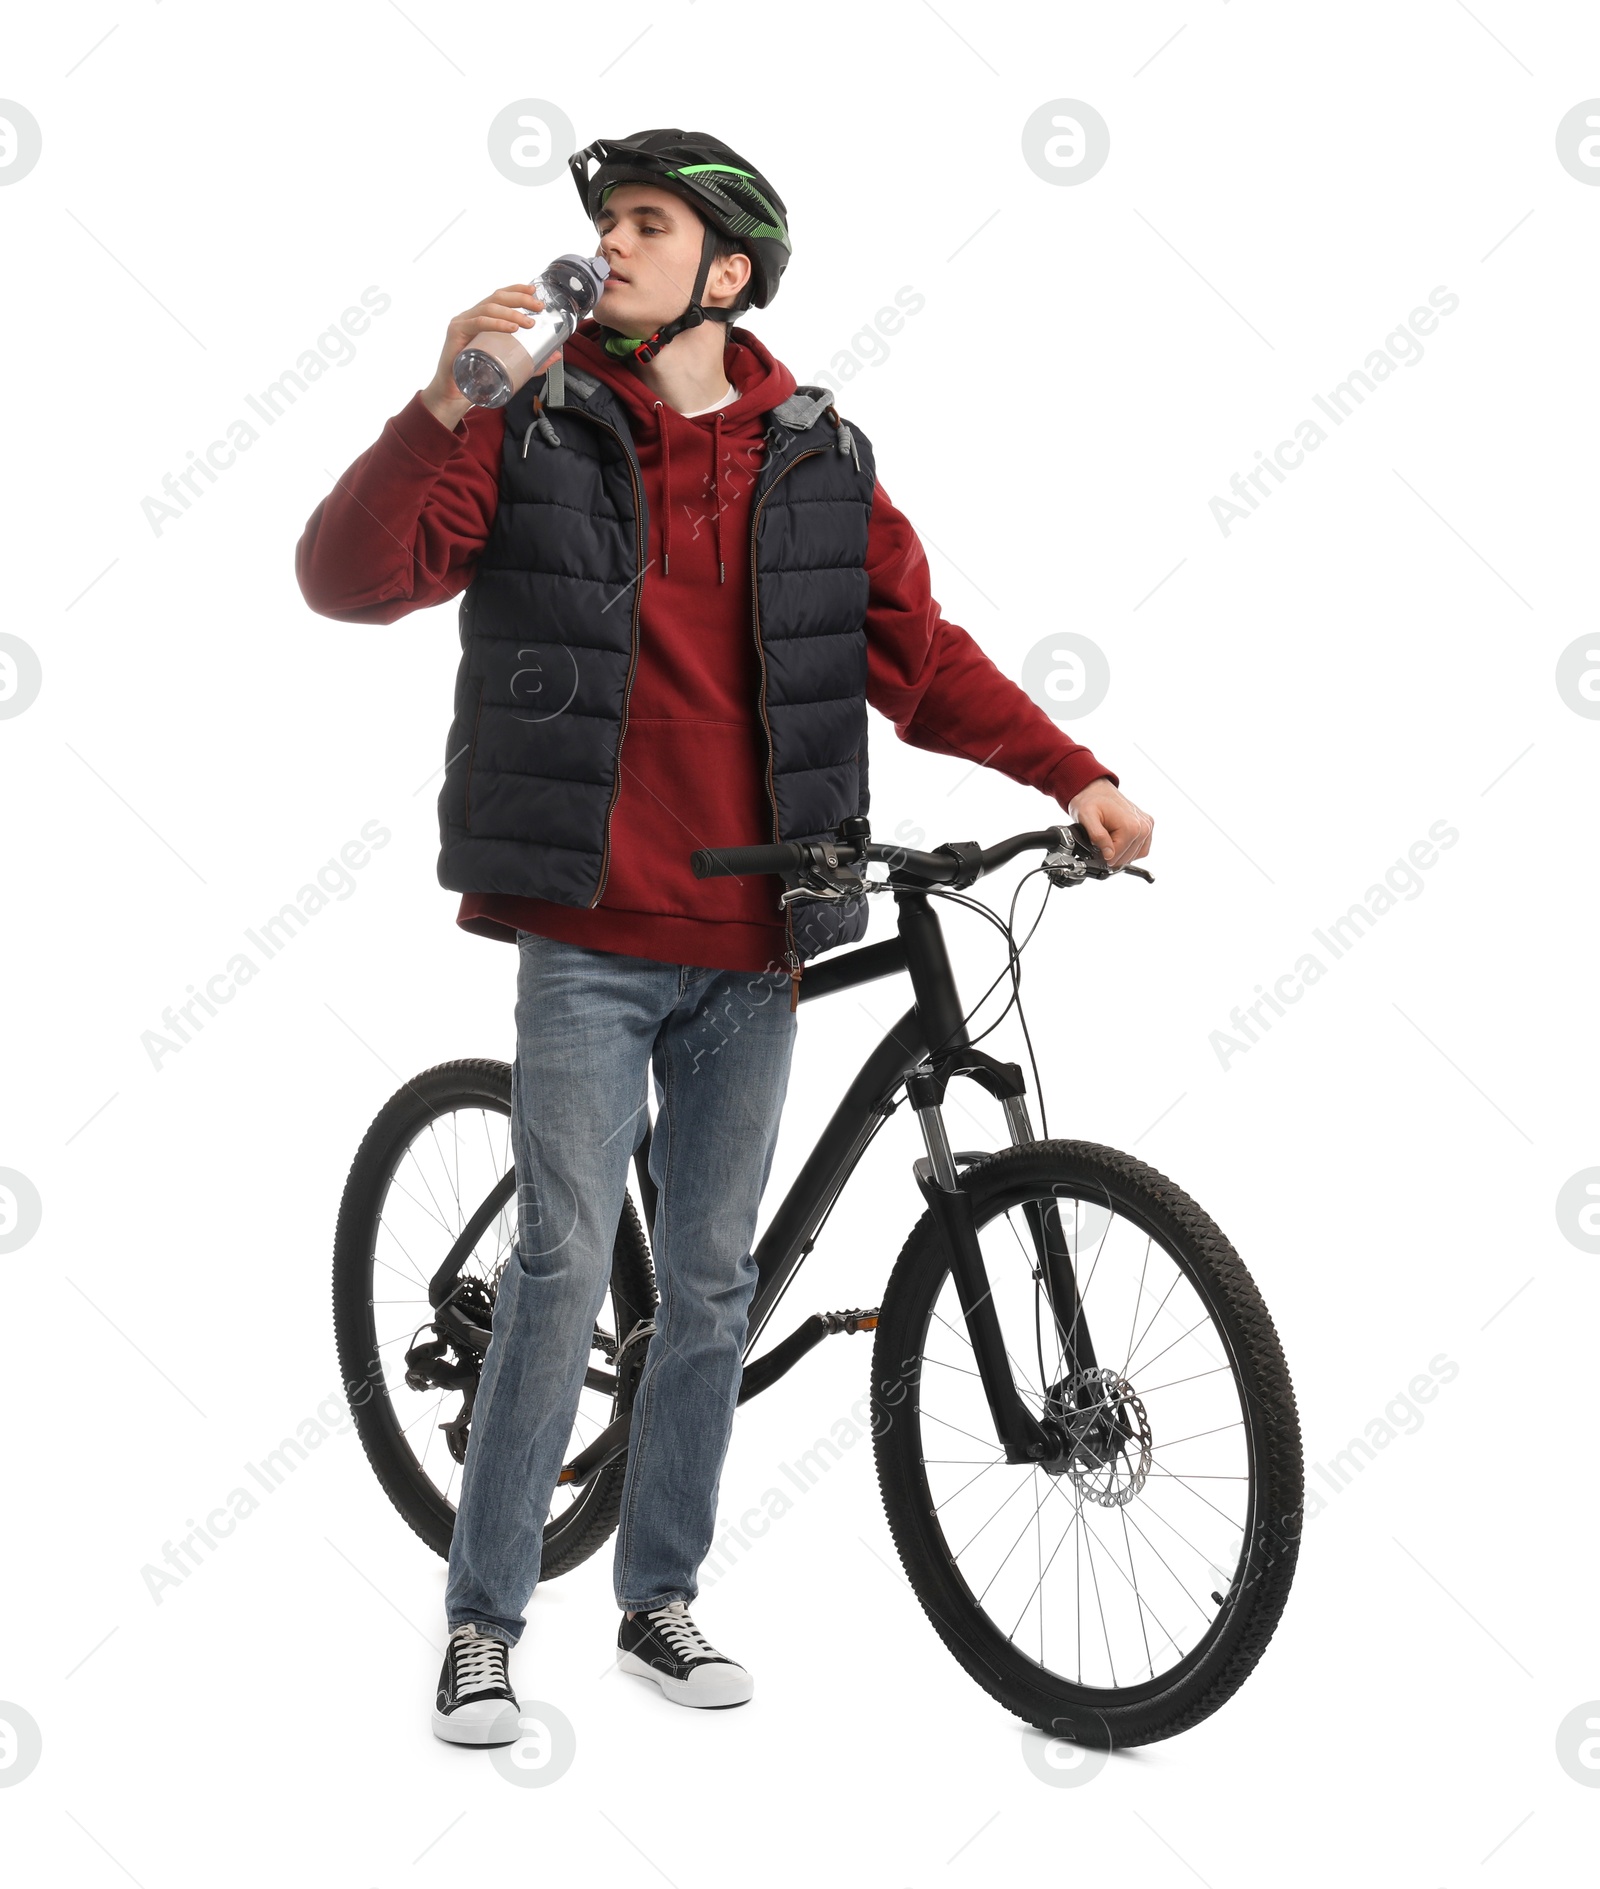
x=507 y=311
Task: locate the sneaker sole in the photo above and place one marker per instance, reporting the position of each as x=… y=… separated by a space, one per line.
x=493 y=1730
x=735 y=1688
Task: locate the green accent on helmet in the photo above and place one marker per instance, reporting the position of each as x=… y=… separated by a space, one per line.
x=739 y=225
x=775 y=229
x=622 y=345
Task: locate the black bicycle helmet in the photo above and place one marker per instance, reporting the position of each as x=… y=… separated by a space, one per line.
x=731 y=196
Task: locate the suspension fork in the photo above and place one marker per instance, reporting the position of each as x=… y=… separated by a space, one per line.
x=1053 y=1260
x=1022 y=1436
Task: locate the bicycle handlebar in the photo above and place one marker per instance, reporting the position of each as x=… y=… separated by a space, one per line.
x=734 y=862
x=1074 y=858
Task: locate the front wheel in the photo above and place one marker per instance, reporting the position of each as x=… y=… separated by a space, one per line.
x=1124 y=1592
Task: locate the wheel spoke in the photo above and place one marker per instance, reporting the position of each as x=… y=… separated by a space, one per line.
x=1166 y=1564
x=1105 y=1632
x=1149 y=1657
x=434 y=1212
x=1171 y=1443
x=1184 y=1481
x=1032 y=1518
x=418 y=1299
x=1204 y=1319
x=1149 y=1390
x=953 y=1426
x=946 y=1366
x=407 y=1428
x=993 y=1461
x=1038 y=1584
x=1128 y=1361
x=1138 y=1299
x=1025 y=1387
x=1004 y=1503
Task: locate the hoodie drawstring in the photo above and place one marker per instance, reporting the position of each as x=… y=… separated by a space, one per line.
x=716 y=480
x=666 y=490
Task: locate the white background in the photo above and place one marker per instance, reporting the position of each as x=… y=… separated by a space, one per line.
x=1374 y=650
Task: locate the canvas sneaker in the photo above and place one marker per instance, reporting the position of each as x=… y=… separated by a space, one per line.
x=665 y=1645
x=474 y=1704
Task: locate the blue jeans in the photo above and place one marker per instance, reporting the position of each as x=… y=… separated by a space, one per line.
x=591 y=1025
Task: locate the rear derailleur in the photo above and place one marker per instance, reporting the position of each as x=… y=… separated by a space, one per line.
x=449 y=1363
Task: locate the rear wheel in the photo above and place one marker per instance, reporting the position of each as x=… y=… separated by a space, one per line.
x=438 y=1150
x=1125 y=1593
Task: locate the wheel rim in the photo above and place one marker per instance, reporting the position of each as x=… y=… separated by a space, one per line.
x=450 y=1164
x=1114 y=1575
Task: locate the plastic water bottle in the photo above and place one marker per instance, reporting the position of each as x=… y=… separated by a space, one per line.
x=493 y=365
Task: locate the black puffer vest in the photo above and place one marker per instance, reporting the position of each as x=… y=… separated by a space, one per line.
x=549 y=642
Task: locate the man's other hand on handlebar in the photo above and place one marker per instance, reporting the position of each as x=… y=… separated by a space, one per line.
x=1120 y=829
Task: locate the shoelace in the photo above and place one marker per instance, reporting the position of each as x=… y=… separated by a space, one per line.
x=674 y=1624
x=480 y=1662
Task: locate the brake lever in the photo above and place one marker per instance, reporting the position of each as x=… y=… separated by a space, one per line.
x=824 y=877
x=1077 y=858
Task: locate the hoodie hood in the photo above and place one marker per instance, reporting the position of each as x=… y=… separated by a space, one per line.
x=759 y=380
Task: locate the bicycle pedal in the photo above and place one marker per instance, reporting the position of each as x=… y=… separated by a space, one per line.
x=856 y=1320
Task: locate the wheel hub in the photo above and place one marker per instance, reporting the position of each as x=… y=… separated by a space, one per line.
x=1106 y=1435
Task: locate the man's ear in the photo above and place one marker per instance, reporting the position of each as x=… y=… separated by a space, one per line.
x=730 y=275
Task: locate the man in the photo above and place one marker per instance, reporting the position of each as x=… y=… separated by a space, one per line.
x=683 y=583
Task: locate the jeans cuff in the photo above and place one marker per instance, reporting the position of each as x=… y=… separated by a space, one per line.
x=486 y=1627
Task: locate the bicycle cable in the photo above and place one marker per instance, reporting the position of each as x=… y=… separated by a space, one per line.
x=1014 y=962
x=1006 y=927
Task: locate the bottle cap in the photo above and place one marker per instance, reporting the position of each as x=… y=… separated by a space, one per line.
x=582 y=276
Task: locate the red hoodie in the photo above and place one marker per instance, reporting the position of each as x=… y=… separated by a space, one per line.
x=403 y=528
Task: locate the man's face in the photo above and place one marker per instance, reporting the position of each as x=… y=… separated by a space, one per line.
x=651 y=238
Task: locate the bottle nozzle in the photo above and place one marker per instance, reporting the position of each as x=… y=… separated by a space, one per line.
x=585 y=276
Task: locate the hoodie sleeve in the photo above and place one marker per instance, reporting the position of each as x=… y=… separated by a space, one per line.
x=404 y=524
x=938 y=687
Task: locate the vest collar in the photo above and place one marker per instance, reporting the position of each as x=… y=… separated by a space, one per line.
x=802 y=411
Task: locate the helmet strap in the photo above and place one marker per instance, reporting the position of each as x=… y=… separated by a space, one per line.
x=648 y=347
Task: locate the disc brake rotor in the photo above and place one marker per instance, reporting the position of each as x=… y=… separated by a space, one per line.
x=1108 y=1432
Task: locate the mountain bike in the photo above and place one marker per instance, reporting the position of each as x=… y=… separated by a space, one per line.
x=1085 y=1433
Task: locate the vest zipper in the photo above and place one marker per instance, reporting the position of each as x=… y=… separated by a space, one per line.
x=633 y=649
x=791 y=957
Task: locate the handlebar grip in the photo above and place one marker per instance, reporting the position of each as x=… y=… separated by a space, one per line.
x=718 y=862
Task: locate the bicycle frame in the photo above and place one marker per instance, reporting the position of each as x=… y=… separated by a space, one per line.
x=923 y=1050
